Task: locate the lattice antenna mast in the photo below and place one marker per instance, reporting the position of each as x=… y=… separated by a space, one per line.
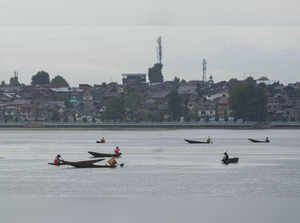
x=159 y=50
x=204 y=63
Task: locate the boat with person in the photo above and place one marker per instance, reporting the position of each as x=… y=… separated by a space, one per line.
x=259 y=141
x=102 y=140
x=78 y=164
x=81 y=164
x=99 y=141
x=195 y=141
x=95 y=154
x=230 y=160
x=57 y=164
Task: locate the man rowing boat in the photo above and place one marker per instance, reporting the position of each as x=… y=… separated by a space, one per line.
x=117 y=150
x=226 y=157
x=102 y=140
x=57 y=160
x=208 y=139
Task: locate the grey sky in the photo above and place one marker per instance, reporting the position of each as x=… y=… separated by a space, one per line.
x=94 y=41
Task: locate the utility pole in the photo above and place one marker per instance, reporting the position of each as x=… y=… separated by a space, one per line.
x=204 y=63
x=159 y=50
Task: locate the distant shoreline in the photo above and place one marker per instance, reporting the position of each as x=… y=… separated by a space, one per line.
x=149 y=126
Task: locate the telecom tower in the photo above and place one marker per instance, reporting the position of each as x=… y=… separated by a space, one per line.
x=204 y=70
x=159 y=50
x=154 y=72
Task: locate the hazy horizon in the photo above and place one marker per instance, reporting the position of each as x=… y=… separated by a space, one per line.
x=92 y=42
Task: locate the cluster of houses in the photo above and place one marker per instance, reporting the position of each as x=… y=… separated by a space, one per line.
x=207 y=101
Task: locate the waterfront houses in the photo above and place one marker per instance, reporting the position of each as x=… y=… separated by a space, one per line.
x=143 y=101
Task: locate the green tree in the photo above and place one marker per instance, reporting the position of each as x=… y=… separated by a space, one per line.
x=132 y=104
x=187 y=114
x=175 y=106
x=114 y=109
x=248 y=101
x=176 y=82
x=200 y=90
x=59 y=81
x=3 y=83
x=40 y=78
x=13 y=81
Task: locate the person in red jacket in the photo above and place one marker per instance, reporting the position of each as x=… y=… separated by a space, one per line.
x=267 y=139
x=57 y=160
x=117 y=150
x=102 y=140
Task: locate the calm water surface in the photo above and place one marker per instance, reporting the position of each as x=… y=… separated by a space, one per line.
x=164 y=178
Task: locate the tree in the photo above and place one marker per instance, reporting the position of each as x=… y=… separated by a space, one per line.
x=13 y=81
x=132 y=104
x=248 y=101
x=58 y=82
x=176 y=82
x=3 y=83
x=40 y=78
x=175 y=105
x=186 y=112
x=200 y=90
x=114 y=109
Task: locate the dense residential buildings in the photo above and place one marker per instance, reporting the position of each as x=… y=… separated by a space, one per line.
x=143 y=101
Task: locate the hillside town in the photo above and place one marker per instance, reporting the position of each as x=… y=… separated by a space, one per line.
x=137 y=100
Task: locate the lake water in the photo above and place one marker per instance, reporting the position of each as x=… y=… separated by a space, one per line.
x=164 y=178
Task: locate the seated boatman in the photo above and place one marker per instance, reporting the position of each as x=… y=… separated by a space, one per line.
x=208 y=139
x=226 y=157
x=267 y=139
x=102 y=140
x=117 y=150
x=57 y=160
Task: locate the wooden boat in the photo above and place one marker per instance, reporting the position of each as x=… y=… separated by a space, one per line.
x=57 y=164
x=99 y=141
x=85 y=164
x=230 y=160
x=194 y=141
x=77 y=165
x=95 y=154
x=258 y=141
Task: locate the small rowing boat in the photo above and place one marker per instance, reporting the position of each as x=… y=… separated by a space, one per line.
x=78 y=164
x=194 y=141
x=95 y=154
x=230 y=160
x=59 y=164
x=257 y=141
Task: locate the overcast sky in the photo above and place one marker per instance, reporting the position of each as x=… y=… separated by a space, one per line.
x=95 y=41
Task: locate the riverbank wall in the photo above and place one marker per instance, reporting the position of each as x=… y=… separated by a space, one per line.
x=164 y=125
